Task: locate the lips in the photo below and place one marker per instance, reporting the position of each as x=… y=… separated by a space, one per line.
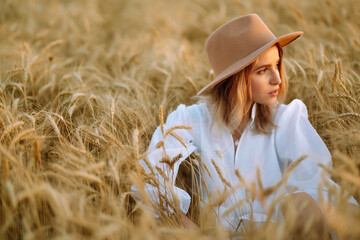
x=274 y=92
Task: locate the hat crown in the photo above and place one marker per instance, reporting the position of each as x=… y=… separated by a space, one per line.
x=236 y=40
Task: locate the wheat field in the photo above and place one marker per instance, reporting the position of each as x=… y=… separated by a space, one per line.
x=82 y=85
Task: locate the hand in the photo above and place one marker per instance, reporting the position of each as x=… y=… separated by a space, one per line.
x=187 y=222
x=306 y=208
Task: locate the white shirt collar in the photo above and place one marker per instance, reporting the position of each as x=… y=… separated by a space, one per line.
x=253 y=113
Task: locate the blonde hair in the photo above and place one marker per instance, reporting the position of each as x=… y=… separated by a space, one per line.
x=230 y=101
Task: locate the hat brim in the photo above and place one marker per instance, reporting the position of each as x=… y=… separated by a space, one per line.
x=246 y=61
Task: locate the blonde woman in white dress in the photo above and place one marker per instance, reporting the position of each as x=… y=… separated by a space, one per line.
x=242 y=128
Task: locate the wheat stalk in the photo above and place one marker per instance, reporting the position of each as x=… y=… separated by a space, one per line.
x=11 y=193
x=53 y=44
x=160 y=144
x=146 y=161
x=10 y=157
x=320 y=96
x=95 y=167
x=175 y=198
x=352 y=166
x=137 y=72
x=341 y=115
x=267 y=191
x=238 y=175
x=336 y=74
x=112 y=139
x=25 y=78
x=10 y=128
x=82 y=152
x=65 y=181
x=114 y=172
x=112 y=110
x=54 y=125
x=162 y=174
x=16 y=70
x=260 y=184
x=71 y=110
x=352 y=178
x=206 y=169
x=5 y=168
x=78 y=174
x=32 y=118
x=238 y=205
x=20 y=136
x=171 y=162
x=161 y=118
x=177 y=137
x=37 y=154
x=320 y=76
x=220 y=174
x=77 y=77
x=167 y=202
x=170 y=130
x=349 y=97
x=75 y=97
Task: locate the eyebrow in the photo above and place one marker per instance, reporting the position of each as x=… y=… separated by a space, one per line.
x=266 y=65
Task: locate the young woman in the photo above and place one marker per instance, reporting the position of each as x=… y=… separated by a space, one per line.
x=241 y=128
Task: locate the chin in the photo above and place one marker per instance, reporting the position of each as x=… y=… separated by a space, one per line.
x=270 y=103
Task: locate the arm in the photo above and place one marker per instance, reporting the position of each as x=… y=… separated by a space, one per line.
x=305 y=208
x=296 y=137
x=164 y=170
x=187 y=222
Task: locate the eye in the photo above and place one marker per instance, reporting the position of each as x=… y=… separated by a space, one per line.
x=262 y=71
x=278 y=65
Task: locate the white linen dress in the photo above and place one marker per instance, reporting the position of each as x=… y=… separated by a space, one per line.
x=292 y=138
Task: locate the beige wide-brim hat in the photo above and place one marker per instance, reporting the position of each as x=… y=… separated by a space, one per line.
x=238 y=43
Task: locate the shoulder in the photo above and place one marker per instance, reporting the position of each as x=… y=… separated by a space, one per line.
x=192 y=113
x=295 y=109
x=198 y=110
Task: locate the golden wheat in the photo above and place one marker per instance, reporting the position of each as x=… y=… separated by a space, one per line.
x=219 y=172
x=84 y=84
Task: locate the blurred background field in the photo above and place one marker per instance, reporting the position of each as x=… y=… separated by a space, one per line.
x=81 y=83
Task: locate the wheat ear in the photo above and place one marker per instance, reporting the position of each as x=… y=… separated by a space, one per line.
x=161 y=118
x=53 y=44
x=176 y=127
x=5 y=168
x=336 y=74
x=206 y=169
x=21 y=135
x=219 y=173
x=10 y=128
x=341 y=74
x=162 y=174
x=179 y=139
x=37 y=155
x=15 y=70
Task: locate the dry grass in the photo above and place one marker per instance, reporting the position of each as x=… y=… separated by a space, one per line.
x=81 y=83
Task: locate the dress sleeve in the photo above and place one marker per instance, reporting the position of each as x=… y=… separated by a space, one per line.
x=164 y=165
x=295 y=137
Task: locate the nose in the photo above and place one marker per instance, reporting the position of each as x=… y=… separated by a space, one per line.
x=275 y=77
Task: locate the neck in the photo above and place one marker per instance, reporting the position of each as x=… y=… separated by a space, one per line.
x=237 y=132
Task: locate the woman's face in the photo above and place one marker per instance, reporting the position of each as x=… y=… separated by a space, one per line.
x=265 y=77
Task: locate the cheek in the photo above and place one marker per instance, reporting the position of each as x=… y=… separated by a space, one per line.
x=256 y=86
